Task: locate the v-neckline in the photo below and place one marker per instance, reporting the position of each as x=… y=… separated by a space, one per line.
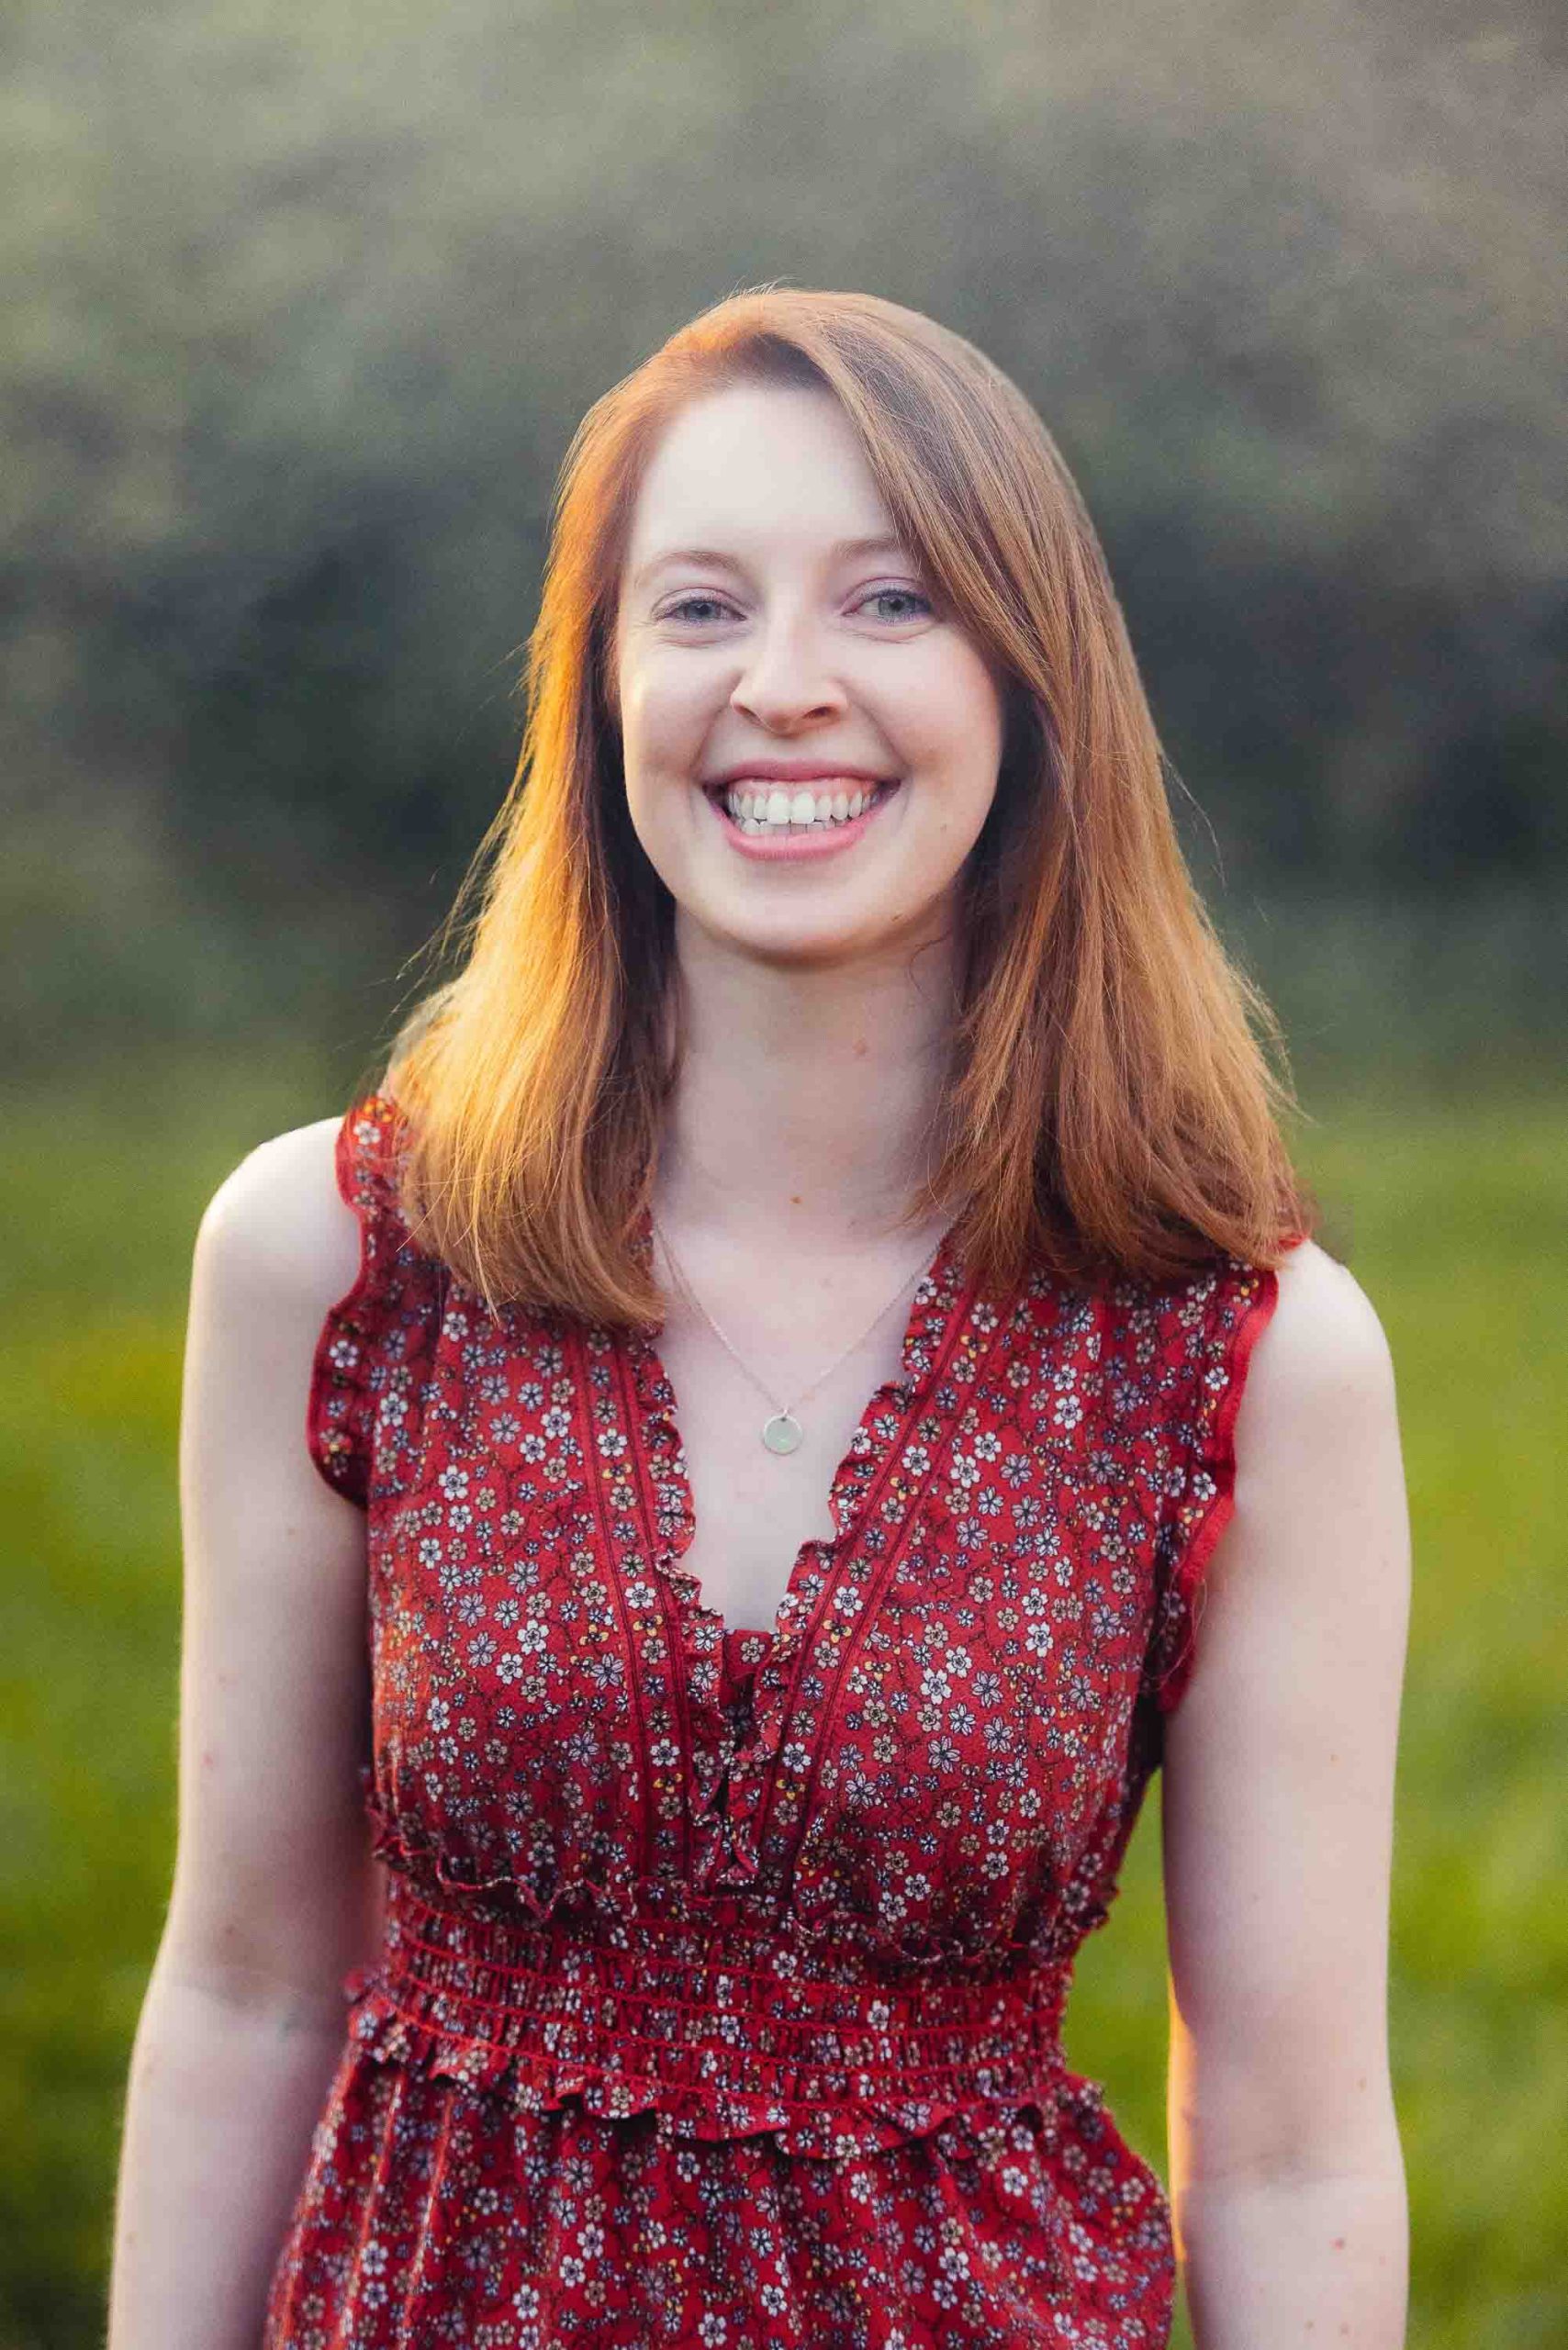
x=664 y=1451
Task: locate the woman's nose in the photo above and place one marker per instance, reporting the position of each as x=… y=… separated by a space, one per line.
x=785 y=677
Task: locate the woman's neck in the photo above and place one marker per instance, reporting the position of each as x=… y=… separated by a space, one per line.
x=806 y=1102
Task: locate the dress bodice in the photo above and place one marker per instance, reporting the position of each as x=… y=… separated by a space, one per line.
x=824 y=1885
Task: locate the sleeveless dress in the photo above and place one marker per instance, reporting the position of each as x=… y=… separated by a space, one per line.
x=719 y=1997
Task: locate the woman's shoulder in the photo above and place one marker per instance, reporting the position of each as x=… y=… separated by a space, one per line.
x=1320 y=1410
x=279 y=1226
x=1274 y=1363
x=1312 y=1315
x=1325 y=1346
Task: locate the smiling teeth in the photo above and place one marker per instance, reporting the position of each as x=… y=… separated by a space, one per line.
x=770 y=808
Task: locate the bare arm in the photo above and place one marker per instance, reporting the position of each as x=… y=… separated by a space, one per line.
x=274 y=1894
x=1287 y=2176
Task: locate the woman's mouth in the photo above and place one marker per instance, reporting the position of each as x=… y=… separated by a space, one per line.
x=768 y=808
x=769 y=819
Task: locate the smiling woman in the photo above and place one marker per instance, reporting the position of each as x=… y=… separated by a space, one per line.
x=896 y=715
x=733 y=521
x=768 y=1362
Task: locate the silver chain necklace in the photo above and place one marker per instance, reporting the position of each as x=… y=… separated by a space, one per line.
x=783 y=1432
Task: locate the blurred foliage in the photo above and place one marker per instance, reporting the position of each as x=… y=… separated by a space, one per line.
x=1464 y=1253
x=302 y=309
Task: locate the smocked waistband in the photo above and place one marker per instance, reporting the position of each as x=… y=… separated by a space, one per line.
x=729 y=2012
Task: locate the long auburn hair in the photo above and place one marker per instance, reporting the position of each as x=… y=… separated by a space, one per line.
x=1110 y=1108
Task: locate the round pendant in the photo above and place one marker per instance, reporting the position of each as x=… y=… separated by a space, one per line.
x=782 y=1433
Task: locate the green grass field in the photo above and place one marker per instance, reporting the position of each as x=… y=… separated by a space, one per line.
x=1453 y=1213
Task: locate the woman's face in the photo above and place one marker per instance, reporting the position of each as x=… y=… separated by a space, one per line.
x=777 y=652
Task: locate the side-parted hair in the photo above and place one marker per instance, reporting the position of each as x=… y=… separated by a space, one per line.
x=1111 y=1105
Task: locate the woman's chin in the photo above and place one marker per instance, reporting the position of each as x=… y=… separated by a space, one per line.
x=806 y=937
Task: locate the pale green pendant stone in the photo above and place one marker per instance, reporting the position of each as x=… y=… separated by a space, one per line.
x=782 y=1433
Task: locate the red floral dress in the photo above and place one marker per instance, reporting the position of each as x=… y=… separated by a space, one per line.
x=723 y=1972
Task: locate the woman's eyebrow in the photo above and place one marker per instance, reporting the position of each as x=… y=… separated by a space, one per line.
x=841 y=551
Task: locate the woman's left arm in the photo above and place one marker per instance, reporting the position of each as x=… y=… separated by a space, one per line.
x=1287 y=2179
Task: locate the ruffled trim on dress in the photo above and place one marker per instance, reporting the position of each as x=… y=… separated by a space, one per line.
x=1244 y=1300
x=728 y=1775
x=372 y=1336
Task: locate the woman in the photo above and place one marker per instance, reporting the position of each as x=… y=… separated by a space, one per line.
x=841 y=1050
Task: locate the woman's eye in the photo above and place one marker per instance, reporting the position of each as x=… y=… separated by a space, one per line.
x=897 y=594
x=687 y=604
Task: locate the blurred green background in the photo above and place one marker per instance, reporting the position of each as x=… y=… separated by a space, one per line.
x=302 y=308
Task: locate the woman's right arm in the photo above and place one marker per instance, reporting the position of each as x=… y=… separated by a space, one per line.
x=275 y=1894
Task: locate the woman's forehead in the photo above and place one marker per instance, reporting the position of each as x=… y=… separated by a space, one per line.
x=755 y=463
